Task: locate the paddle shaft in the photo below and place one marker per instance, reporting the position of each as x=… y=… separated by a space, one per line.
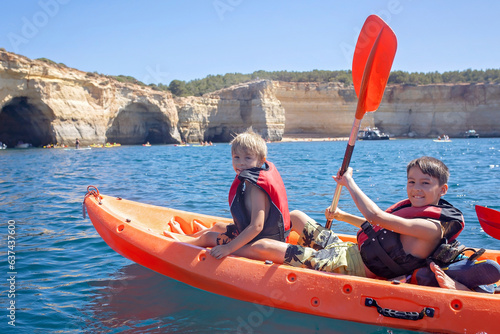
x=360 y=112
x=345 y=164
x=371 y=67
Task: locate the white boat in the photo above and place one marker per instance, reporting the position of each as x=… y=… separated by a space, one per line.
x=471 y=134
x=372 y=134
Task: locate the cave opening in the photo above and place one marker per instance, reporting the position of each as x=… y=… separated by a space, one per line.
x=139 y=123
x=24 y=122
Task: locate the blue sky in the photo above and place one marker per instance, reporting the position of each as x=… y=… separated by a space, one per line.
x=159 y=41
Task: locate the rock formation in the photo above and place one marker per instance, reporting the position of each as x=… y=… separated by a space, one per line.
x=43 y=103
x=327 y=109
x=218 y=116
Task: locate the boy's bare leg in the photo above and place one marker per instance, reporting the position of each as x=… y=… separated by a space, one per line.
x=208 y=239
x=217 y=227
x=273 y=250
x=198 y=227
x=298 y=220
x=264 y=249
x=446 y=281
x=175 y=226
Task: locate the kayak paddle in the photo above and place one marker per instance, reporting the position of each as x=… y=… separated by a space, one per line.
x=489 y=220
x=371 y=66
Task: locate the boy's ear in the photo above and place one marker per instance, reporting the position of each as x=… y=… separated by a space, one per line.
x=444 y=189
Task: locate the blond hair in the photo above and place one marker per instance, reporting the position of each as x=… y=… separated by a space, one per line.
x=431 y=166
x=250 y=142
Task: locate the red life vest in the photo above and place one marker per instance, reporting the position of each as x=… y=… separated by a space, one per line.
x=268 y=179
x=381 y=249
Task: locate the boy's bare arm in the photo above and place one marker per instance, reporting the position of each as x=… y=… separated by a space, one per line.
x=418 y=228
x=258 y=200
x=345 y=217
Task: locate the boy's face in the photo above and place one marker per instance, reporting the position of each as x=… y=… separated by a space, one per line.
x=244 y=160
x=424 y=189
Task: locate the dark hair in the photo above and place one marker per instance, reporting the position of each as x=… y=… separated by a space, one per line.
x=431 y=166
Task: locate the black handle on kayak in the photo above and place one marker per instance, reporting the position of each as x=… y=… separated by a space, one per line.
x=427 y=311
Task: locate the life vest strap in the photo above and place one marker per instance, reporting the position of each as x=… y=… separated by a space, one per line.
x=379 y=250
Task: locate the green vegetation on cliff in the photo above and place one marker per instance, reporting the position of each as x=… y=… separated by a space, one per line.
x=215 y=82
x=212 y=83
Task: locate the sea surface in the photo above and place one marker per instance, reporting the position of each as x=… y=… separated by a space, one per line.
x=65 y=279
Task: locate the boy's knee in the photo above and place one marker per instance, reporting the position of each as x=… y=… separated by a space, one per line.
x=219 y=227
x=298 y=217
x=295 y=214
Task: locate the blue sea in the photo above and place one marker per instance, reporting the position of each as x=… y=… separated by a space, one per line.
x=65 y=279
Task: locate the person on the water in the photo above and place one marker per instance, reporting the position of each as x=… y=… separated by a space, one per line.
x=257 y=200
x=77 y=143
x=391 y=243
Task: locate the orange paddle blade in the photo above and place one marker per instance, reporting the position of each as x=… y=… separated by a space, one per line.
x=489 y=220
x=372 y=62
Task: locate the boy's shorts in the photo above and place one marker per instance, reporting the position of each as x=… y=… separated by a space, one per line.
x=321 y=249
x=228 y=236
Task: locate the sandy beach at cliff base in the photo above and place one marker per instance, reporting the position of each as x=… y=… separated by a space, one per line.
x=299 y=138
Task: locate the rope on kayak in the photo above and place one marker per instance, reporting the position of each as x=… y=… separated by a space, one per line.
x=91 y=190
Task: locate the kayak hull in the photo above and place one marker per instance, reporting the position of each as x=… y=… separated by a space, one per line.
x=135 y=230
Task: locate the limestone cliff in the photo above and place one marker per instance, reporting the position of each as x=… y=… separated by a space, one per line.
x=44 y=103
x=432 y=110
x=317 y=109
x=220 y=115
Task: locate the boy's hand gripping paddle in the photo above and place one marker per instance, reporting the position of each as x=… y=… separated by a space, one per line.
x=489 y=220
x=371 y=66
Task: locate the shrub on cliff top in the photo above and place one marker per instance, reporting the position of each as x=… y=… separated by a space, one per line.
x=212 y=83
x=127 y=78
x=48 y=61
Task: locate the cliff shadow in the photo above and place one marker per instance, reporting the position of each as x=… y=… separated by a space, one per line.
x=139 y=123
x=22 y=121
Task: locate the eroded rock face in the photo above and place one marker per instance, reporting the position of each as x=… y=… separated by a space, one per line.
x=327 y=109
x=42 y=103
x=432 y=110
x=45 y=104
x=219 y=116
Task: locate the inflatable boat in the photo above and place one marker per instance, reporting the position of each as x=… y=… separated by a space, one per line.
x=135 y=230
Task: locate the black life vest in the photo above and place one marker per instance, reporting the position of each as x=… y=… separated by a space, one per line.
x=268 y=179
x=381 y=249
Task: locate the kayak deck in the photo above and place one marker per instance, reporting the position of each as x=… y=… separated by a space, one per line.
x=135 y=230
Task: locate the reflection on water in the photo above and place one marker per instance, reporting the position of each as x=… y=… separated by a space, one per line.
x=136 y=299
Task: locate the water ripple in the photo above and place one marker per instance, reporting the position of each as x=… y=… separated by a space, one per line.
x=70 y=281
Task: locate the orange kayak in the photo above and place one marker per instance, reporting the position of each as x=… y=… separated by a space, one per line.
x=135 y=230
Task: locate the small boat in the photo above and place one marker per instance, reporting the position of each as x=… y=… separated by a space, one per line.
x=471 y=134
x=135 y=231
x=372 y=134
x=443 y=139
